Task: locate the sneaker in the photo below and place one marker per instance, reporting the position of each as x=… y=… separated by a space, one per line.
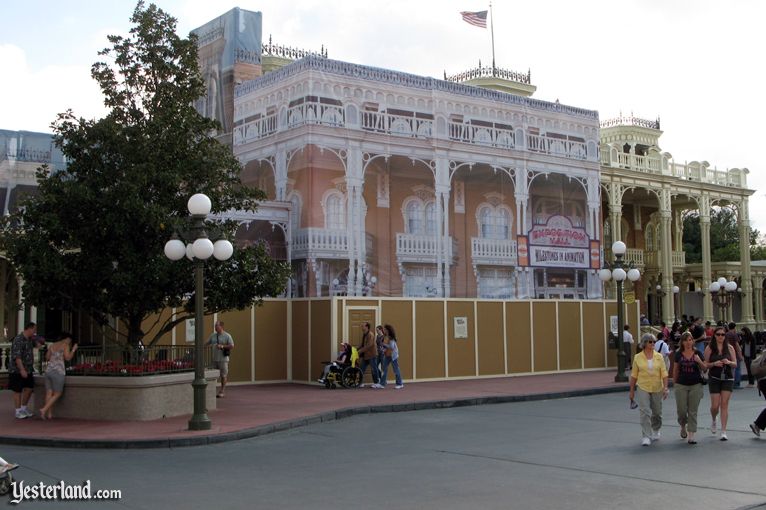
x=713 y=428
x=655 y=435
x=20 y=415
x=646 y=441
x=398 y=386
x=362 y=385
x=27 y=412
x=755 y=429
x=724 y=437
x=377 y=386
x=320 y=380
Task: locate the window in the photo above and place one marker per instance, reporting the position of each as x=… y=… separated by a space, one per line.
x=335 y=213
x=431 y=218
x=495 y=283
x=420 y=281
x=494 y=222
x=414 y=219
x=295 y=212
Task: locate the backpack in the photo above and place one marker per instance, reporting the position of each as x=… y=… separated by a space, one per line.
x=758 y=366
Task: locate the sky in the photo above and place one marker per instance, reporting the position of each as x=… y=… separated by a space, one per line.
x=695 y=64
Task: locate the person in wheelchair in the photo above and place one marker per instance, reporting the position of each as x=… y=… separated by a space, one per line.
x=343 y=359
x=343 y=370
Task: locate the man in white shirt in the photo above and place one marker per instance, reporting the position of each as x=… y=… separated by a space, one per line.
x=661 y=346
x=627 y=345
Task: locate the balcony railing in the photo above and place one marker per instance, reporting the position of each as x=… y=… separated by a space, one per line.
x=397 y=125
x=688 y=171
x=482 y=135
x=493 y=252
x=315 y=113
x=422 y=248
x=256 y=129
x=322 y=243
x=677 y=259
x=557 y=146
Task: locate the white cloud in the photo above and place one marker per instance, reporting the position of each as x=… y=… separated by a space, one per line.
x=32 y=97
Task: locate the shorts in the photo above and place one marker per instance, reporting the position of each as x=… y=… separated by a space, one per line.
x=718 y=385
x=16 y=383
x=223 y=366
x=54 y=381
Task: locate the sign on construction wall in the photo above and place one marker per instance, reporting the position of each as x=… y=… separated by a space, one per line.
x=461 y=327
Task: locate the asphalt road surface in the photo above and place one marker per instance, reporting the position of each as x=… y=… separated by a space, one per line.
x=576 y=453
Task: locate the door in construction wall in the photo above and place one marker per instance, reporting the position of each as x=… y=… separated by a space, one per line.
x=355 y=318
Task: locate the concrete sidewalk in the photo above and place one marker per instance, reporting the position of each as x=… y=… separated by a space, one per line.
x=253 y=410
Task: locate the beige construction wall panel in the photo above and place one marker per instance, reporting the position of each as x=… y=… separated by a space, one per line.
x=490 y=325
x=321 y=347
x=152 y=325
x=399 y=315
x=429 y=334
x=544 y=335
x=594 y=334
x=518 y=333
x=462 y=351
x=207 y=330
x=570 y=351
x=300 y=340
x=339 y=304
x=271 y=341
x=237 y=324
x=611 y=355
x=362 y=302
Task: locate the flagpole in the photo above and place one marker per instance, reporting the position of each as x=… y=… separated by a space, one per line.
x=492 y=28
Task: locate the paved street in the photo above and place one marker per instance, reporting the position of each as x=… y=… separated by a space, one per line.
x=576 y=453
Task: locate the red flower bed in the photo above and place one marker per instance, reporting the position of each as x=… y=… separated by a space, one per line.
x=132 y=369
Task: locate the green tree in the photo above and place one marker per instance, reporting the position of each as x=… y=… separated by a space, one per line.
x=724 y=237
x=91 y=239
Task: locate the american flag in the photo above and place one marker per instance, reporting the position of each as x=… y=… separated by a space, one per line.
x=477 y=19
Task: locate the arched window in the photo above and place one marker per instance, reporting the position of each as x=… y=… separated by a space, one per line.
x=431 y=218
x=494 y=222
x=414 y=217
x=295 y=211
x=335 y=211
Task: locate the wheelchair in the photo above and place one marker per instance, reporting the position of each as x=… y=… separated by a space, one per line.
x=347 y=375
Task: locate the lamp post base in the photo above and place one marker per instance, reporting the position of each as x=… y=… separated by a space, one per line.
x=200 y=419
x=621 y=378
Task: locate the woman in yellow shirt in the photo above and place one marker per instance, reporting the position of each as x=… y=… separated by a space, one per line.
x=651 y=376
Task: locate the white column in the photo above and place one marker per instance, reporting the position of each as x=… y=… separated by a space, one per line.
x=707 y=303
x=667 y=266
x=442 y=189
x=280 y=173
x=743 y=222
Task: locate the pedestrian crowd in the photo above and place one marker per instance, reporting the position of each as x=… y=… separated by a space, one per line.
x=692 y=355
x=378 y=351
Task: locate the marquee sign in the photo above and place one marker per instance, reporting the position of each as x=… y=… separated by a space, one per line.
x=559 y=244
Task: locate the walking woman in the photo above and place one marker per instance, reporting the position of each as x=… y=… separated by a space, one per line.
x=748 y=352
x=687 y=378
x=55 y=372
x=391 y=357
x=720 y=360
x=651 y=377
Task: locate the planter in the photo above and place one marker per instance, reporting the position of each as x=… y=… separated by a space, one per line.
x=127 y=398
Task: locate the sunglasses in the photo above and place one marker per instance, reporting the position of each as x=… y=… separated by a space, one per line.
x=720 y=334
x=651 y=341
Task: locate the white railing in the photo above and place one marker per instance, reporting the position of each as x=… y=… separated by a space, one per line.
x=397 y=125
x=315 y=113
x=678 y=259
x=497 y=252
x=319 y=243
x=5 y=354
x=688 y=172
x=634 y=255
x=421 y=248
x=557 y=146
x=256 y=129
x=482 y=135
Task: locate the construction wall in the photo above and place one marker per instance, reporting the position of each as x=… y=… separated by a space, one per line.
x=287 y=340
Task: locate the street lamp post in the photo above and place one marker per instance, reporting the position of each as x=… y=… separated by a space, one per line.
x=660 y=294
x=615 y=271
x=676 y=301
x=199 y=249
x=722 y=291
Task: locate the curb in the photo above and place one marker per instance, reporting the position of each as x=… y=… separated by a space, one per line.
x=282 y=426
